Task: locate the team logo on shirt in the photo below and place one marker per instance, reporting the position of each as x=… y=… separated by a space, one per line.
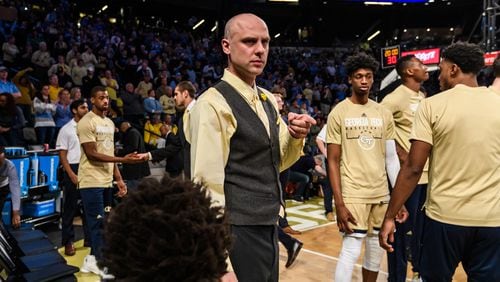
x=365 y=130
x=104 y=136
x=366 y=140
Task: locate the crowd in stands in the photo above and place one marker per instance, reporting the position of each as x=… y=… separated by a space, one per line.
x=54 y=59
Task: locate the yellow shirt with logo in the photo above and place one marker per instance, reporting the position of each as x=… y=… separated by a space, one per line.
x=94 y=128
x=362 y=131
x=403 y=103
x=463 y=126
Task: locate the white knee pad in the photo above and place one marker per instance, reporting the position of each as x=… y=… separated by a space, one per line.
x=373 y=254
x=351 y=249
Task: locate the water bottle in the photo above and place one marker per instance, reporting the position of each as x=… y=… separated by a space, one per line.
x=42 y=178
x=34 y=167
x=31 y=175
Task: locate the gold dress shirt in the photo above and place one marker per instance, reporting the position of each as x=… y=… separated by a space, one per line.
x=210 y=125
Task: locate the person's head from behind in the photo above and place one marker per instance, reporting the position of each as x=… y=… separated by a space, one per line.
x=79 y=108
x=460 y=62
x=246 y=43
x=124 y=126
x=99 y=98
x=410 y=66
x=361 y=69
x=166 y=231
x=184 y=93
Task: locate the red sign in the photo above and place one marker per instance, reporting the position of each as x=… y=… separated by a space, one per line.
x=489 y=58
x=427 y=56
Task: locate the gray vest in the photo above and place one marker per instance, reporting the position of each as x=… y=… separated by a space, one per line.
x=251 y=185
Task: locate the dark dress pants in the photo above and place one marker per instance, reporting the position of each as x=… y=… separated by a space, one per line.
x=70 y=207
x=404 y=244
x=254 y=254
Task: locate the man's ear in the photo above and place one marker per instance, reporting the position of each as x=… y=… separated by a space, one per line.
x=225 y=46
x=454 y=70
x=409 y=71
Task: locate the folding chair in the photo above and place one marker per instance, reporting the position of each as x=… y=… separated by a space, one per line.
x=19 y=271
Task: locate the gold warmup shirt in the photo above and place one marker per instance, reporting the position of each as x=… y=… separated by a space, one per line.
x=362 y=131
x=94 y=128
x=463 y=126
x=403 y=103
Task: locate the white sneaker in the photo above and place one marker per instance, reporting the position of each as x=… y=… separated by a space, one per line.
x=90 y=265
x=105 y=275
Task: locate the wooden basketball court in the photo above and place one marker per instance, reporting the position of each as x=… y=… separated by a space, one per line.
x=316 y=261
x=318 y=258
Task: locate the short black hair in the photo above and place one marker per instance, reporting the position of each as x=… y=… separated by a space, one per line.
x=166 y=231
x=96 y=89
x=403 y=63
x=75 y=104
x=360 y=61
x=467 y=56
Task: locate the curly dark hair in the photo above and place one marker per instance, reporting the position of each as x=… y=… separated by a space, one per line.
x=468 y=57
x=360 y=61
x=166 y=231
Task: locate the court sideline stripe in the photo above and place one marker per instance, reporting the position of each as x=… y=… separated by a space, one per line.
x=335 y=259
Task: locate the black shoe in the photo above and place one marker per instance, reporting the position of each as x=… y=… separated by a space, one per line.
x=293 y=252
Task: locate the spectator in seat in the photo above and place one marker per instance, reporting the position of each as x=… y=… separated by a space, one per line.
x=7 y=86
x=27 y=90
x=132 y=142
x=11 y=121
x=44 y=120
x=151 y=105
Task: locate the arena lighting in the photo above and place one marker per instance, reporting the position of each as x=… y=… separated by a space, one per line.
x=214 y=28
x=373 y=35
x=277 y=35
x=378 y=3
x=104 y=8
x=198 y=24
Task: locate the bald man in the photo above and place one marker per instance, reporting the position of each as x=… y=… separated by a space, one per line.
x=239 y=144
